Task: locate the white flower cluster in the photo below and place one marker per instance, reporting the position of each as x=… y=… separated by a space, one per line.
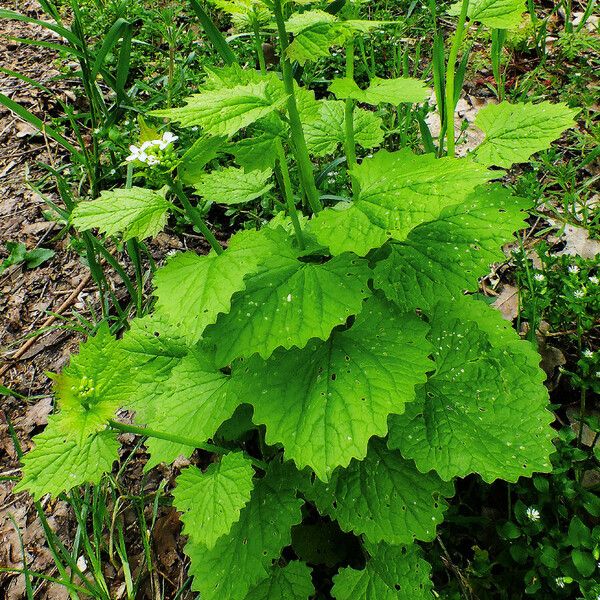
x=560 y=582
x=145 y=153
x=533 y=514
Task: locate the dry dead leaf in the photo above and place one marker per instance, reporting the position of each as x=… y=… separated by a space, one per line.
x=577 y=240
x=508 y=302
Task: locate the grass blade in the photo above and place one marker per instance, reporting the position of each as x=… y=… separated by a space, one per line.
x=115 y=33
x=58 y=29
x=214 y=35
x=36 y=122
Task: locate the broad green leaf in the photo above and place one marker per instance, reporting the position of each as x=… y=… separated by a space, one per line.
x=316 y=41
x=384 y=497
x=256 y=153
x=34 y=258
x=233 y=186
x=380 y=91
x=226 y=111
x=193 y=403
x=392 y=573
x=513 y=132
x=202 y=151
x=244 y=12
x=90 y=389
x=58 y=463
x=243 y=557
x=497 y=14
x=211 y=502
x=146 y=355
x=584 y=562
x=292 y=582
x=289 y=303
x=193 y=290
x=135 y=212
x=443 y=258
x=325 y=402
x=230 y=76
x=398 y=191
x=298 y=22
x=485 y=408
x=316 y=34
x=325 y=133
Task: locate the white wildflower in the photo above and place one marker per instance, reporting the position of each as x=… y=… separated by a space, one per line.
x=533 y=514
x=593 y=279
x=597 y=374
x=574 y=269
x=152 y=160
x=560 y=582
x=167 y=139
x=135 y=153
x=579 y=293
x=588 y=353
x=539 y=277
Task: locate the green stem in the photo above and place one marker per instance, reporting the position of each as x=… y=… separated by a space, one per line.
x=450 y=72
x=133 y=250
x=582 y=397
x=287 y=191
x=349 y=141
x=569 y=16
x=195 y=217
x=178 y=439
x=170 y=74
x=258 y=45
x=307 y=176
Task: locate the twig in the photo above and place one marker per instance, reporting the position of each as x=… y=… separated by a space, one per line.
x=73 y=296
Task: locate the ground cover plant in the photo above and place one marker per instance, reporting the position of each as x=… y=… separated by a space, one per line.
x=328 y=360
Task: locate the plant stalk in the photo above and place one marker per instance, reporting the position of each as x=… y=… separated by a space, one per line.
x=133 y=249
x=349 y=141
x=287 y=191
x=307 y=176
x=450 y=73
x=195 y=217
x=178 y=439
x=259 y=48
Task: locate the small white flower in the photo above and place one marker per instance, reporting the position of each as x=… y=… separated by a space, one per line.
x=573 y=269
x=168 y=138
x=147 y=144
x=539 y=277
x=152 y=160
x=560 y=582
x=588 y=353
x=597 y=374
x=135 y=153
x=593 y=279
x=533 y=514
x=579 y=293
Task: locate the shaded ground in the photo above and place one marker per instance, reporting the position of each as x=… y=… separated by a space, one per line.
x=27 y=295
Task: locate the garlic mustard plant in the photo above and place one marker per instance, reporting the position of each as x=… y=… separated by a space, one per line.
x=331 y=358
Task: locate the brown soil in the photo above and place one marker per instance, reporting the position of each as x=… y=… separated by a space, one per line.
x=34 y=342
x=26 y=296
